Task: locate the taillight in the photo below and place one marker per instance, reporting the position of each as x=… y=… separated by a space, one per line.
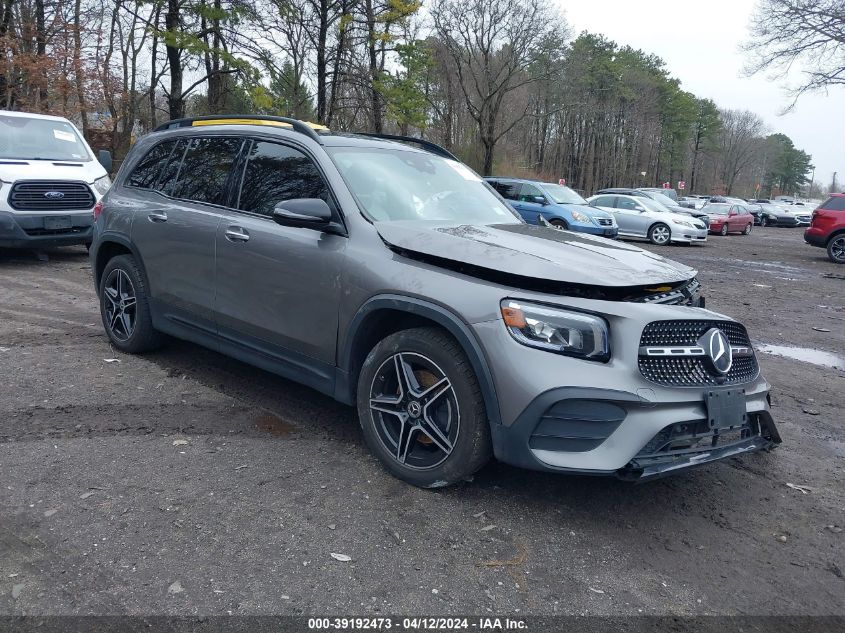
x=98 y=209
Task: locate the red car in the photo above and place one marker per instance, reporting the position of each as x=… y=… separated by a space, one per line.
x=728 y=218
x=827 y=228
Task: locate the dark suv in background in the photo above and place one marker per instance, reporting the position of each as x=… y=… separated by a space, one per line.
x=395 y=279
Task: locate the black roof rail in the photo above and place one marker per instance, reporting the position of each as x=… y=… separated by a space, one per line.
x=296 y=124
x=434 y=148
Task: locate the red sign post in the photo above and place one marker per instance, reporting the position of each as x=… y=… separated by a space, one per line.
x=682 y=184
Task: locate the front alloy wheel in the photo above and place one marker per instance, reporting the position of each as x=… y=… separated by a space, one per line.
x=836 y=249
x=724 y=230
x=660 y=234
x=415 y=410
x=421 y=408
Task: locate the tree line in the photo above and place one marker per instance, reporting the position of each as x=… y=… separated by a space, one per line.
x=501 y=83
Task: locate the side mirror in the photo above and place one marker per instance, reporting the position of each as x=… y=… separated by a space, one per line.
x=538 y=200
x=312 y=213
x=104 y=158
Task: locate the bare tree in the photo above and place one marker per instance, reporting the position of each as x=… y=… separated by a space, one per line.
x=741 y=142
x=493 y=43
x=809 y=34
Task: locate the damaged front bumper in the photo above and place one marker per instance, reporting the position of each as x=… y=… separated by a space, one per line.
x=677 y=448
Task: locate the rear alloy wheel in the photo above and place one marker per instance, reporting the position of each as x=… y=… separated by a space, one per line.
x=836 y=249
x=724 y=230
x=124 y=307
x=659 y=234
x=747 y=230
x=421 y=409
x=559 y=224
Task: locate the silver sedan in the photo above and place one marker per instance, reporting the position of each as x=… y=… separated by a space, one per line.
x=643 y=218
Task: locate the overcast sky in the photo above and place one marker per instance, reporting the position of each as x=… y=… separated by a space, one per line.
x=699 y=42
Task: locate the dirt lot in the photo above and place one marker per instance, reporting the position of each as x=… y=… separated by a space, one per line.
x=184 y=482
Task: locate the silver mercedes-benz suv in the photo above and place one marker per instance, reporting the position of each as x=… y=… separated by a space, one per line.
x=394 y=279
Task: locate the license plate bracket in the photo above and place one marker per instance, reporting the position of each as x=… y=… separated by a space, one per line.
x=56 y=222
x=725 y=408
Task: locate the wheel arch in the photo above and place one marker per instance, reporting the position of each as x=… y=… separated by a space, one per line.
x=383 y=315
x=111 y=245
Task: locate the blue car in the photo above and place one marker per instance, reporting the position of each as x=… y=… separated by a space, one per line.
x=558 y=204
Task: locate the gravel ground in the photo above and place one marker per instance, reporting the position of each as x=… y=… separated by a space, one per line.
x=183 y=482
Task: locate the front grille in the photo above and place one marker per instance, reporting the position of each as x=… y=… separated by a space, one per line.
x=692 y=371
x=605 y=221
x=29 y=195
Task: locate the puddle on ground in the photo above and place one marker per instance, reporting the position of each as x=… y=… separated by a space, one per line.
x=806 y=354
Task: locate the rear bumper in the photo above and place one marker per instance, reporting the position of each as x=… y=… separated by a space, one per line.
x=814 y=237
x=18 y=230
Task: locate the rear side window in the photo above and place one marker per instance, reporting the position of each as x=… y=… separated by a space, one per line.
x=275 y=173
x=205 y=169
x=508 y=190
x=146 y=173
x=834 y=203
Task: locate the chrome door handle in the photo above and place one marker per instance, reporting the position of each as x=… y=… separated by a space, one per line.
x=236 y=234
x=157 y=216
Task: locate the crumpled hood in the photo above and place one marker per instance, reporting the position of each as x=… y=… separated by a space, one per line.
x=12 y=170
x=537 y=252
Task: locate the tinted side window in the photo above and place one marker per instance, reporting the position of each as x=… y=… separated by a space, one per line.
x=205 y=169
x=508 y=190
x=835 y=203
x=275 y=173
x=604 y=201
x=167 y=181
x=146 y=173
x=528 y=192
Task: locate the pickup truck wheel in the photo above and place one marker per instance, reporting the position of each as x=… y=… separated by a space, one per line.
x=421 y=409
x=836 y=249
x=125 y=307
x=659 y=234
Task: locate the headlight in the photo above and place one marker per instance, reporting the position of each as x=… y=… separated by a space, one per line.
x=102 y=185
x=571 y=333
x=580 y=217
x=684 y=223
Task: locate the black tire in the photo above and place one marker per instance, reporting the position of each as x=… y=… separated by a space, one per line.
x=747 y=230
x=836 y=248
x=559 y=224
x=660 y=234
x=141 y=336
x=467 y=431
x=764 y=221
x=724 y=230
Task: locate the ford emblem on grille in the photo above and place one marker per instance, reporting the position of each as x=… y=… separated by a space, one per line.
x=54 y=195
x=718 y=350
